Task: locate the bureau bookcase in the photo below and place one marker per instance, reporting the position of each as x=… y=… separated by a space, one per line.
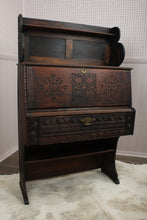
x=74 y=101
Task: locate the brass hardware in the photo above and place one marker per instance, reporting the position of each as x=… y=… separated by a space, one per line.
x=83 y=70
x=87 y=120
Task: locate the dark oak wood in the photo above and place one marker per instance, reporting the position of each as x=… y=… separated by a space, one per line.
x=11 y=164
x=74 y=102
x=60 y=87
x=61 y=43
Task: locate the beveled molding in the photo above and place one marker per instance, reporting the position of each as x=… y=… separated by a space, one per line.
x=142 y=60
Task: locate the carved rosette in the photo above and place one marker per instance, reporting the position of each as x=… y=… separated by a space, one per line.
x=53 y=86
x=111 y=86
x=83 y=88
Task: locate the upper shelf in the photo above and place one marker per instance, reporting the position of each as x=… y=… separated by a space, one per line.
x=31 y=23
x=54 y=42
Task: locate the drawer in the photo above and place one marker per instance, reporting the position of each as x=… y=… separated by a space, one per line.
x=62 y=87
x=70 y=128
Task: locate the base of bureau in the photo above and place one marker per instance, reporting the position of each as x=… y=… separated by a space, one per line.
x=81 y=156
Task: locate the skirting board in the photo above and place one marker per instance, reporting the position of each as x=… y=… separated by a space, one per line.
x=131 y=154
x=8 y=153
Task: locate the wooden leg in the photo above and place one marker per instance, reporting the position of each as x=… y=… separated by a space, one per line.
x=22 y=182
x=108 y=164
x=24 y=192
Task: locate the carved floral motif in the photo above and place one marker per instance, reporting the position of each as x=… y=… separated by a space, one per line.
x=83 y=88
x=111 y=86
x=53 y=86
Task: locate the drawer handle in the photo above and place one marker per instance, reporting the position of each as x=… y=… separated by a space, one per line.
x=87 y=120
x=83 y=70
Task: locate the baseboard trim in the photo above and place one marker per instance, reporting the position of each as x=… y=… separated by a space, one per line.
x=8 y=153
x=131 y=154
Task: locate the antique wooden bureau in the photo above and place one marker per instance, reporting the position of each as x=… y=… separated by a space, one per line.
x=74 y=102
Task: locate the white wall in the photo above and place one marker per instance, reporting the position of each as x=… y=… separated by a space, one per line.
x=137 y=144
x=129 y=15
x=9 y=10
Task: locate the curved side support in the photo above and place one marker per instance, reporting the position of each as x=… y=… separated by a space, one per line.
x=116 y=32
x=21 y=47
x=20 y=39
x=117 y=54
x=108 y=164
x=20 y=23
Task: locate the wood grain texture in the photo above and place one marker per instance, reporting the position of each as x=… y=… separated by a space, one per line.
x=58 y=87
x=74 y=102
x=56 y=42
x=43 y=130
x=11 y=164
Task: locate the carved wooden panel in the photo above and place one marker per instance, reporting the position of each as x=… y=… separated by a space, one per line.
x=60 y=87
x=53 y=86
x=44 y=130
x=83 y=88
x=112 y=87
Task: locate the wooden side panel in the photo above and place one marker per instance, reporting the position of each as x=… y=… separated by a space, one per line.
x=61 y=48
x=55 y=87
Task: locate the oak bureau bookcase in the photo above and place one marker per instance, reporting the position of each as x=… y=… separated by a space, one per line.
x=74 y=102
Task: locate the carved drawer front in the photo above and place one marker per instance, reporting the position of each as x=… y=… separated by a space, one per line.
x=59 y=87
x=47 y=130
